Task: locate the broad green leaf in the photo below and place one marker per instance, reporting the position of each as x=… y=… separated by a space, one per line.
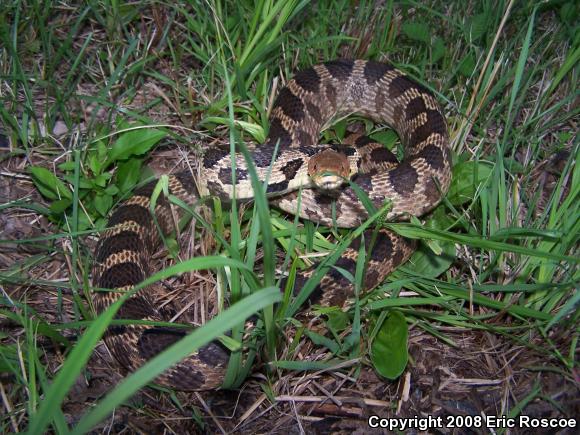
x=102 y=203
x=67 y=166
x=439 y=219
x=128 y=174
x=417 y=32
x=389 y=353
x=434 y=257
x=321 y=340
x=426 y=263
x=102 y=179
x=102 y=150
x=95 y=164
x=569 y=13
x=479 y=26
x=338 y=320
x=112 y=190
x=9 y=361
x=84 y=223
x=60 y=205
x=466 y=179
x=467 y=65
x=134 y=143
x=438 y=50
x=83 y=183
x=49 y=184
x=387 y=137
x=340 y=128
x=255 y=130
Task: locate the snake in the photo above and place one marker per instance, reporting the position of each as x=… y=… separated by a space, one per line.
x=300 y=177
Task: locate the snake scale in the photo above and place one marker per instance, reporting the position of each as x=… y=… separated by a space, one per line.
x=308 y=102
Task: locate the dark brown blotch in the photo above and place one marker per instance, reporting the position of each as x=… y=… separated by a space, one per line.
x=308 y=80
x=372 y=278
x=330 y=92
x=123 y=356
x=241 y=174
x=363 y=140
x=314 y=112
x=397 y=258
x=304 y=138
x=380 y=99
x=433 y=156
x=382 y=154
x=339 y=288
x=155 y=340
x=147 y=191
x=355 y=244
x=290 y=104
x=299 y=282
x=278 y=134
x=132 y=212
x=365 y=182
x=226 y=174
x=431 y=189
x=125 y=240
x=374 y=71
x=403 y=178
x=186 y=180
x=291 y=168
x=214 y=354
x=212 y=156
x=263 y=156
x=322 y=198
x=215 y=188
x=383 y=247
x=314 y=297
x=277 y=187
x=415 y=107
x=435 y=123
x=403 y=248
x=401 y=84
x=136 y=308
x=186 y=378
x=308 y=150
x=121 y=275
x=340 y=69
x=347 y=264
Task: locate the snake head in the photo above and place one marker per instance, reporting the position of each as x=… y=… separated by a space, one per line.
x=329 y=169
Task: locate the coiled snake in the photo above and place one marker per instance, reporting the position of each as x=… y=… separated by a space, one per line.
x=289 y=158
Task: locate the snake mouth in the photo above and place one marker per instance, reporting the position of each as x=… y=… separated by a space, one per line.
x=329 y=169
x=328 y=180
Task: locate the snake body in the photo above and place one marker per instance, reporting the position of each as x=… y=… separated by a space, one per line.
x=308 y=102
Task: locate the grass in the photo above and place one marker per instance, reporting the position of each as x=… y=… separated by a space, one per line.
x=88 y=93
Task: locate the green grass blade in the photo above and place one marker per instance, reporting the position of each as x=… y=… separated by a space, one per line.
x=205 y=334
x=84 y=348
